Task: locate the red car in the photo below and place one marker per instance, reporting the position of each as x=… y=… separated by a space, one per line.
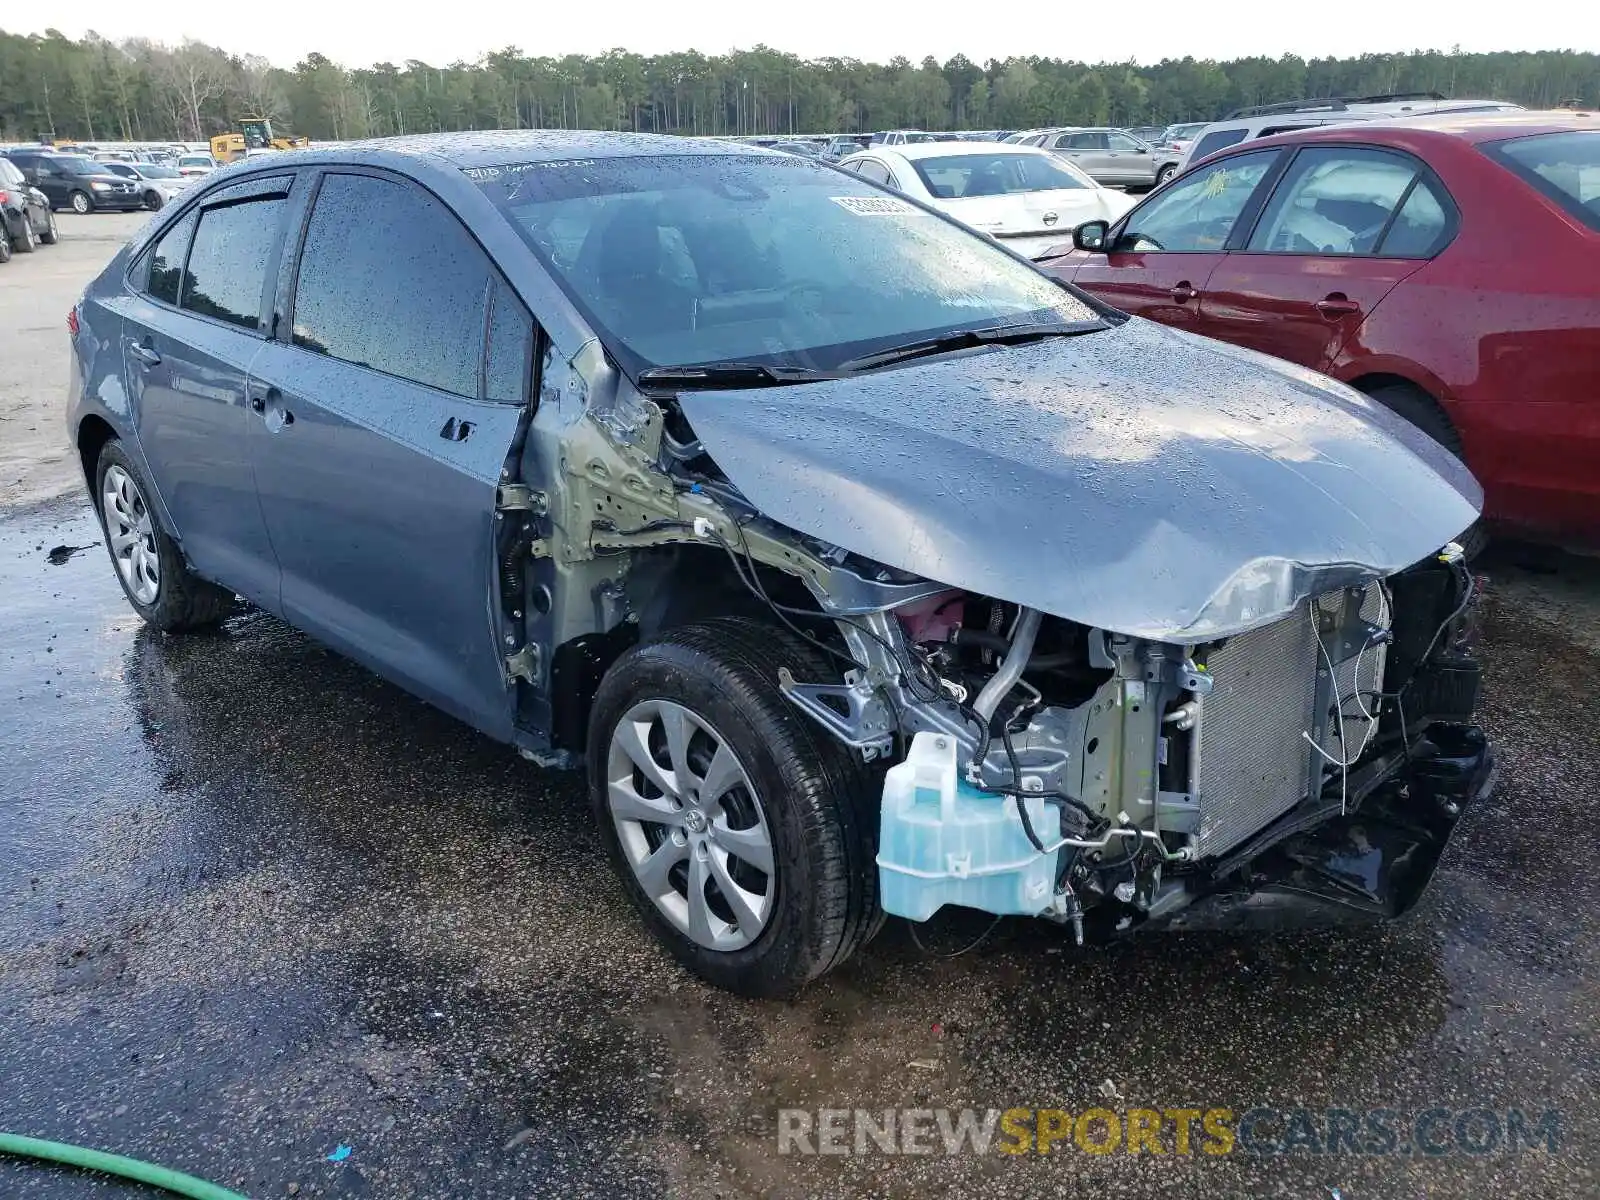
x=1447 y=266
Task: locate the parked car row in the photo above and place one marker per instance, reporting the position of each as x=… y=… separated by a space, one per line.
x=105 y=183
x=26 y=218
x=1029 y=199
x=1444 y=264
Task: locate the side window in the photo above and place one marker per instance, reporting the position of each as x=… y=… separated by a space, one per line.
x=1220 y=140
x=873 y=170
x=228 y=262
x=1086 y=141
x=389 y=279
x=1197 y=213
x=1420 y=228
x=1334 y=200
x=166 y=260
x=1121 y=141
x=510 y=348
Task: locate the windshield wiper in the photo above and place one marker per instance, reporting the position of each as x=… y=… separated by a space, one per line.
x=729 y=375
x=966 y=339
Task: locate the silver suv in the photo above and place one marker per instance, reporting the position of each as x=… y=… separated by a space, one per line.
x=1264 y=120
x=1109 y=156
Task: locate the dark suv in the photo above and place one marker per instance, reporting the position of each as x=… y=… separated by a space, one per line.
x=75 y=182
x=25 y=216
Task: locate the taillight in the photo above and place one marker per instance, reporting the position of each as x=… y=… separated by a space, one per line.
x=5 y=197
x=72 y=320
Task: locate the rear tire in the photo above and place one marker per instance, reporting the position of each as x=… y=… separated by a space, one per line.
x=80 y=203
x=50 y=236
x=29 y=241
x=153 y=201
x=1166 y=173
x=813 y=800
x=149 y=565
x=5 y=247
x=1423 y=411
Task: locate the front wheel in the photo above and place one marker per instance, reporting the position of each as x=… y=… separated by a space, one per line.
x=81 y=203
x=744 y=835
x=150 y=567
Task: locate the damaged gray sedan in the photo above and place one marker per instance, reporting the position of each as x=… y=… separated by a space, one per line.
x=863 y=568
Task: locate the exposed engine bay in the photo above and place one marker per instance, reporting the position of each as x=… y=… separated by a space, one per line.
x=1288 y=730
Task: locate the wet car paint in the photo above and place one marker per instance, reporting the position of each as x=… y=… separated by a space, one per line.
x=260 y=904
x=1182 y=504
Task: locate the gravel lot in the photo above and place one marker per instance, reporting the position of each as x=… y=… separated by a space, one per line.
x=261 y=905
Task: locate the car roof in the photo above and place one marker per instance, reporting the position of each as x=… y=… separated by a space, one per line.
x=939 y=149
x=497 y=147
x=1470 y=127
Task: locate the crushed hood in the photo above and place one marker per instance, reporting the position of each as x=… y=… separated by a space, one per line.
x=1142 y=480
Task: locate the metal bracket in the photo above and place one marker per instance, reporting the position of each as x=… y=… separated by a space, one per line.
x=865 y=723
x=519 y=497
x=524 y=663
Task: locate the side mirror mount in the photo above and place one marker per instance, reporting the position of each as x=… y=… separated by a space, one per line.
x=1092 y=236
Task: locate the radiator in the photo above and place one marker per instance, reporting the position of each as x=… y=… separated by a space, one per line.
x=1251 y=760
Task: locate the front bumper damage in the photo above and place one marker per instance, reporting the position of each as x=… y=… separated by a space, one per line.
x=1369 y=864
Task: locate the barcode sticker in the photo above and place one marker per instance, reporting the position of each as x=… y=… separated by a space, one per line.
x=876 y=206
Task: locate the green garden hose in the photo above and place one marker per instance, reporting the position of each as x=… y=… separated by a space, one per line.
x=175 y=1182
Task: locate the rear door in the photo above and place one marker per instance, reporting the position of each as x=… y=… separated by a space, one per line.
x=1164 y=251
x=1343 y=226
x=384 y=413
x=190 y=330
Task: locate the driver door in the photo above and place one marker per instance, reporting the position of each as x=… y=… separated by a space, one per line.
x=1163 y=252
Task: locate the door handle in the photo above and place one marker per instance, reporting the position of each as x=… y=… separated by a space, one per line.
x=1337 y=304
x=1185 y=292
x=145 y=353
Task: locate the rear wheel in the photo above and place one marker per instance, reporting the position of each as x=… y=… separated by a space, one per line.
x=153 y=201
x=81 y=203
x=49 y=236
x=28 y=242
x=150 y=567
x=5 y=247
x=744 y=835
x=1166 y=173
x=1423 y=411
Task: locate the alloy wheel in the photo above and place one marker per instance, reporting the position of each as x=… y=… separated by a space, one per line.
x=132 y=534
x=691 y=825
x=80 y=202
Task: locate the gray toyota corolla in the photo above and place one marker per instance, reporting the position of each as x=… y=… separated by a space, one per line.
x=863 y=568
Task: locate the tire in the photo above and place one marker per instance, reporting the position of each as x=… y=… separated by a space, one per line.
x=1166 y=173
x=51 y=235
x=813 y=801
x=153 y=201
x=29 y=241
x=5 y=247
x=148 y=563
x=1423 y=411
x=80 y=203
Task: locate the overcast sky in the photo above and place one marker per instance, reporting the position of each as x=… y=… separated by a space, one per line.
x=359 y=34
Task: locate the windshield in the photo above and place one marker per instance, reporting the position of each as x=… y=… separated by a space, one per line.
x=1564 y=166
x=195 y=160
x=959 y=176
x=151 y=171
x=71 y=164
x=681 y=259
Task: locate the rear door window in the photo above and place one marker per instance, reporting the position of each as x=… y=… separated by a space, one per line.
x=233 y=247
x=389 y=279
x=1335 y=200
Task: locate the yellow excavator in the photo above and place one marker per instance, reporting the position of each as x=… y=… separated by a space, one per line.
x=253 y=133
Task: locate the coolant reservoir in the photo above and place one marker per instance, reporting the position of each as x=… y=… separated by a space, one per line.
x=942 y=841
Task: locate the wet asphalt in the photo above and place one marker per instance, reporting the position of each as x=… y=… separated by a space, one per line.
x=259 y=905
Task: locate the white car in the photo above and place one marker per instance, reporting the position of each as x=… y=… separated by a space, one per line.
x=1029 y=199
x=158 y=183
x=195 y=165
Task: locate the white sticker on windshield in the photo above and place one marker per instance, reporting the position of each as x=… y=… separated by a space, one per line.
x=876 y=206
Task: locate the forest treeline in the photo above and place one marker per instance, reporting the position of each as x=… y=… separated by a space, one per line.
x=95 y=89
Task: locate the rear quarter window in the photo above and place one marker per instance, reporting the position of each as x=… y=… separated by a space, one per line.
x=1563 y=166
x=1220 y=140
